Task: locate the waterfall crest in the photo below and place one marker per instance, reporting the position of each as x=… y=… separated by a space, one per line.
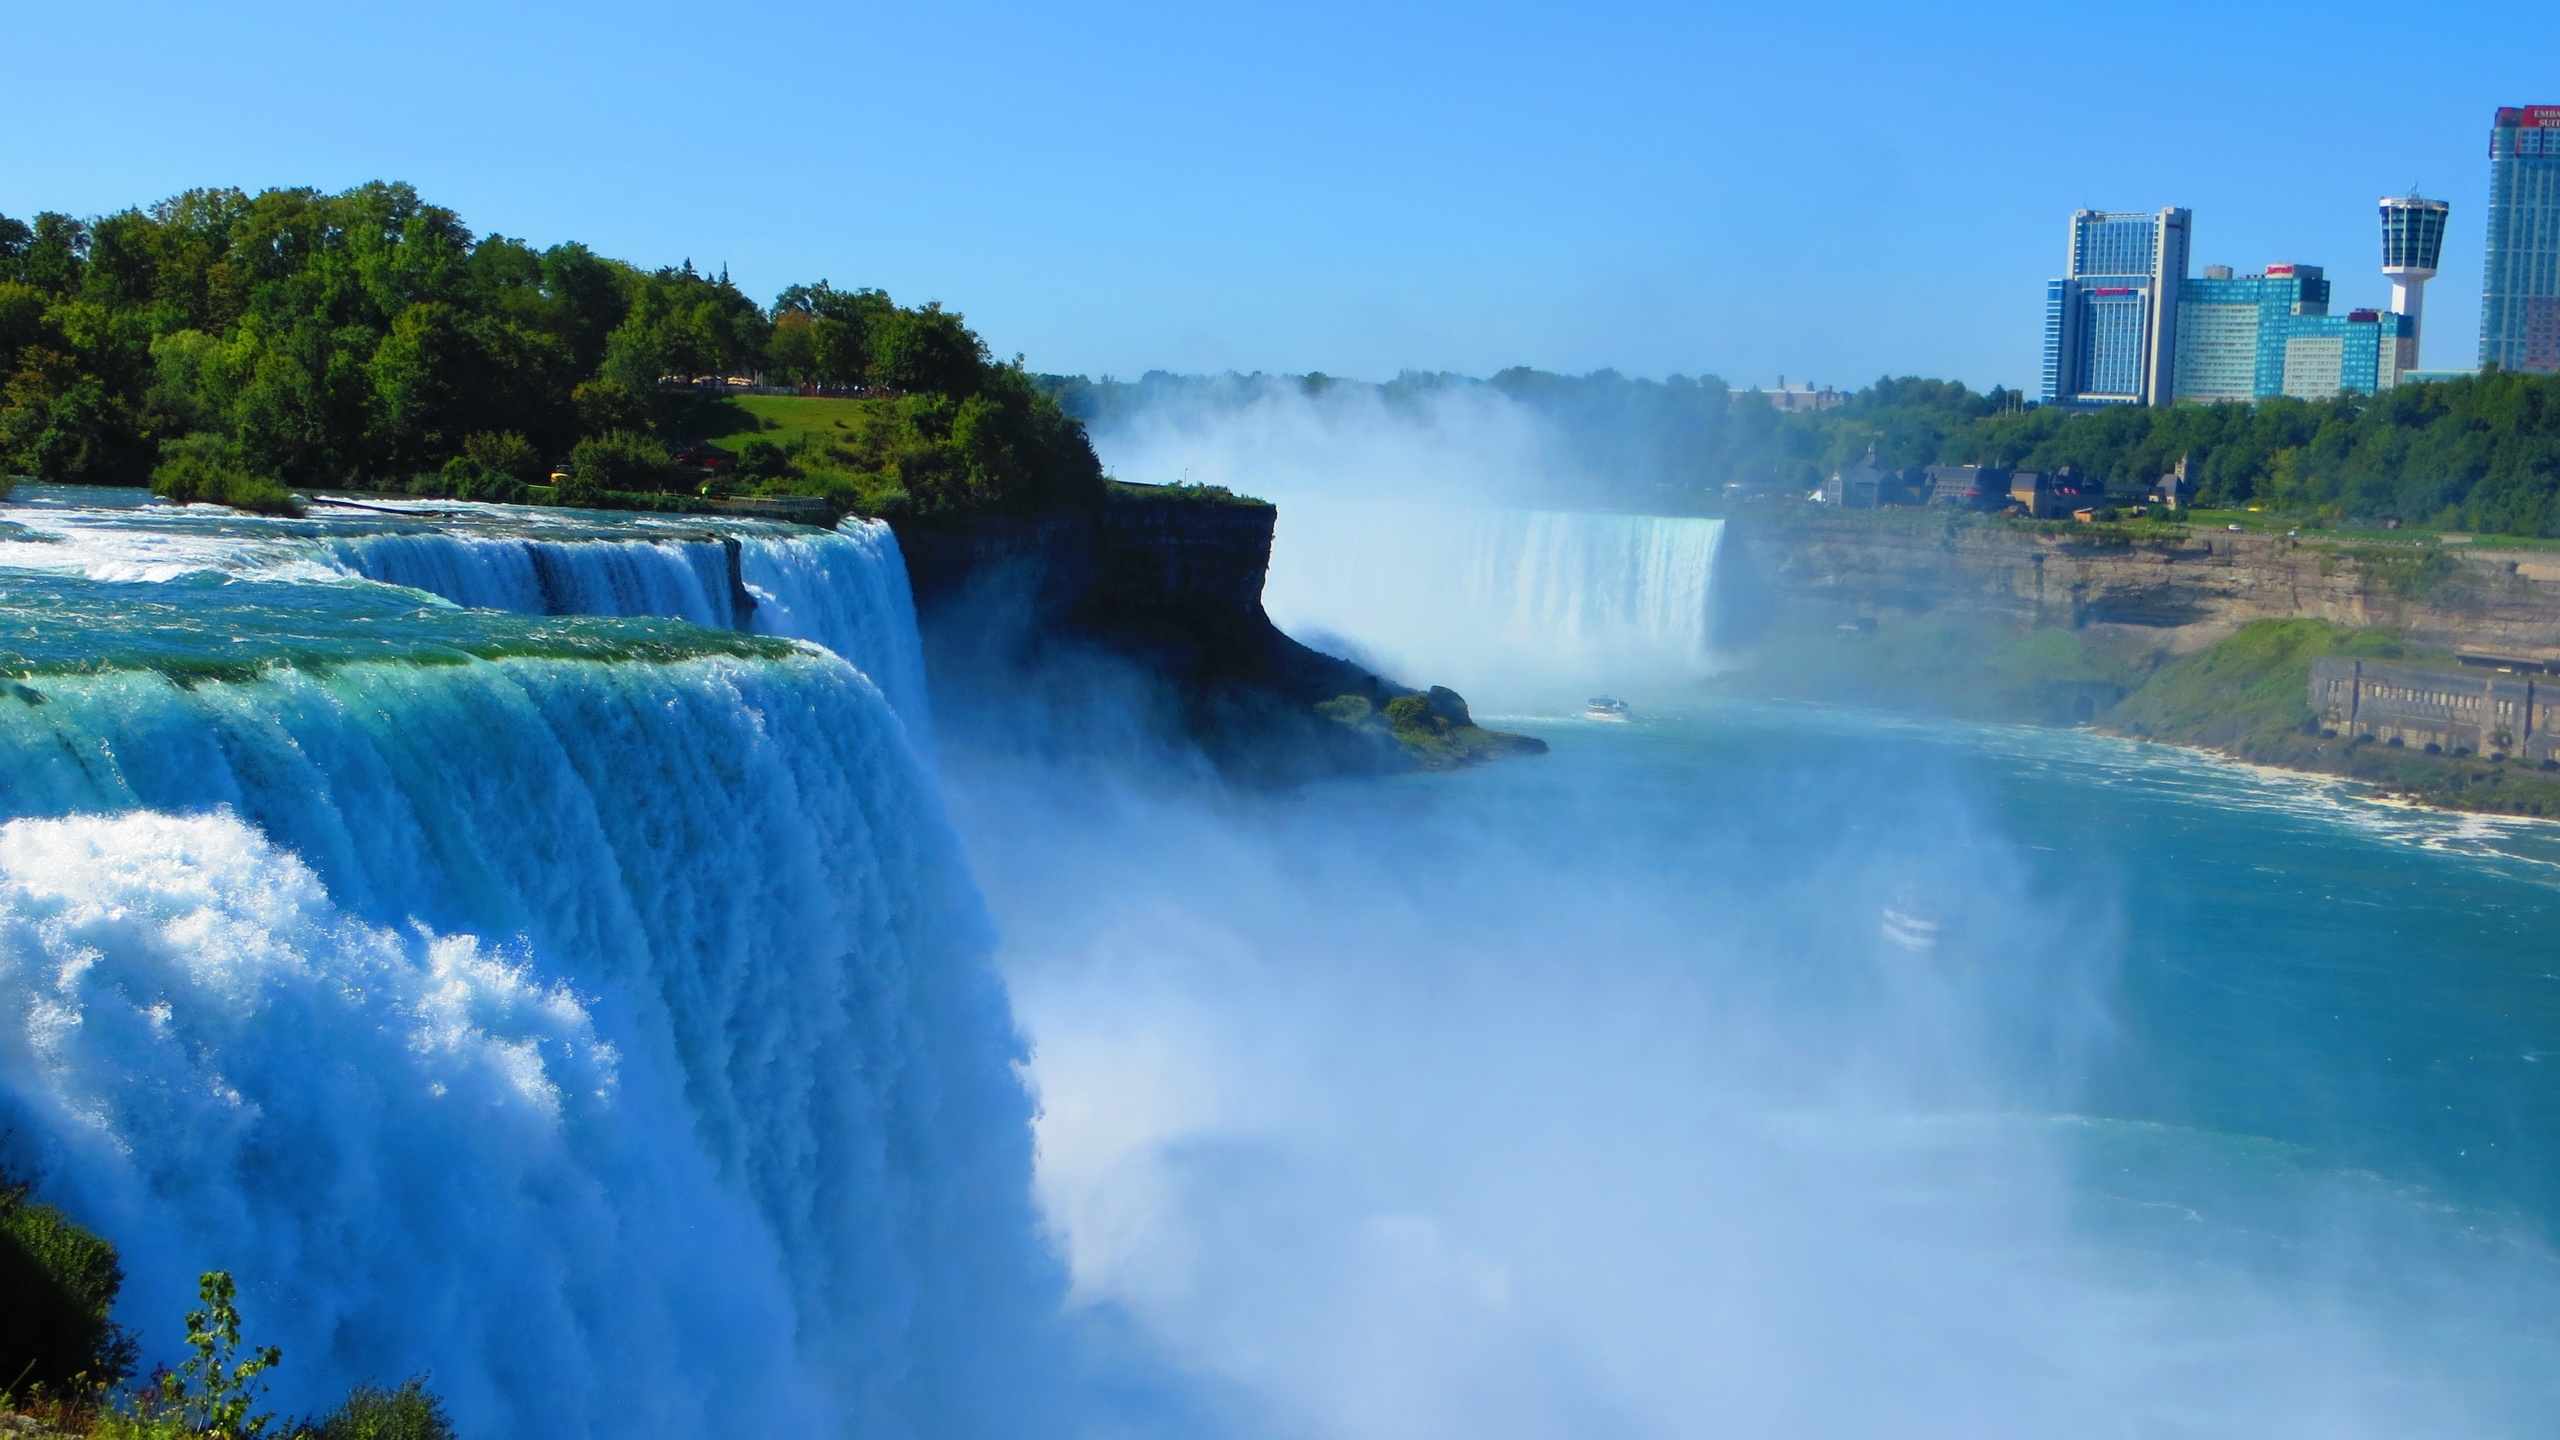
x=1501 y=601
x=844 y=589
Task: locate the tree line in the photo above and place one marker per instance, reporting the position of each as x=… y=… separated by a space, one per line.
x=291 y=338
x=2479 y=452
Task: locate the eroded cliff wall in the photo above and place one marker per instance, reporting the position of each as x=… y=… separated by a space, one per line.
x=2194 y=587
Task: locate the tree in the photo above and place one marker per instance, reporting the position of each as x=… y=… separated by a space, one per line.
x=823 y=336
x=927 y=351
x=681 y=325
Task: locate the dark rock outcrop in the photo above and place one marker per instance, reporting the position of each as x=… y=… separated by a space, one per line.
x=1142 y=617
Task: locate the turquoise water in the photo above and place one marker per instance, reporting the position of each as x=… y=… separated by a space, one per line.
x=519 y=961
x=2220 y=1104
x=210 y=625
x=591 y=1011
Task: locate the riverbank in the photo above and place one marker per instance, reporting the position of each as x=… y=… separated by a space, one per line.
x=2245 y=695
x=2181 y=633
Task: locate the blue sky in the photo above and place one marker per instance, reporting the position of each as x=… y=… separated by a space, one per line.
x=1828 y=191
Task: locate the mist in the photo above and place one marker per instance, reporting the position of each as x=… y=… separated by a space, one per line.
x=1741 y=1071
x=1446 y=532
x=1601 y=441
x=1596 y=1100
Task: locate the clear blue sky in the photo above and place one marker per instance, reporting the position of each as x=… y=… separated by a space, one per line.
x=1831 y=191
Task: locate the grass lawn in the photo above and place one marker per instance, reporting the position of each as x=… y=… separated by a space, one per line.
x=785 y=418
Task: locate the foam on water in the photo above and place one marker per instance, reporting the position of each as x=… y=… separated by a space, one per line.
x=613 y=1041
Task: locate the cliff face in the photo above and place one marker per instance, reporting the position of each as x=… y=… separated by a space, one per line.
x=1143 y=617
x=2196 y=587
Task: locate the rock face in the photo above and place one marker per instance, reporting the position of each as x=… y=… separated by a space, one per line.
x=2198 y=586
x=1143 y=617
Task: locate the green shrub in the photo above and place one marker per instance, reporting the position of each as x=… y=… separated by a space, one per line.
x=58 y=1284
x=217 y=1385
x=465 y=478
x=508 y=454
x=1346 y=709
x=373 y=1413
x=1410 y=712
x=761 y=459
x=621 y=460
x=205 y=468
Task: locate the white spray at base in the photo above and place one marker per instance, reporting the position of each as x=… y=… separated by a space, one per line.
x=1498 y=603
x=1417 y=535
x=613 y=1042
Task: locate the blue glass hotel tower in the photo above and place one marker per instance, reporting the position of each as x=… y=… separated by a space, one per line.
x=2520 y=290
x=2111 y=322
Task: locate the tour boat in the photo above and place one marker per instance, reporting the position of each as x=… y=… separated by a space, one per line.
x=1604 y=708
x=1911 y=923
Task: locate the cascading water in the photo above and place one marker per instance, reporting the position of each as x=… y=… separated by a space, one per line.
x=593 y=1014
x=843 y=589
x=680 y=579
x=1498 y=601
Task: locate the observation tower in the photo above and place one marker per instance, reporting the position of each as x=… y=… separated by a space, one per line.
x=2412 y=243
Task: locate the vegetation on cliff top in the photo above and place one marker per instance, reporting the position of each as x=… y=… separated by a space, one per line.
x=2479 y=453
x=230 y=347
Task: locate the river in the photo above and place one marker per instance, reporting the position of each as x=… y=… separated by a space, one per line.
x=612 y=1002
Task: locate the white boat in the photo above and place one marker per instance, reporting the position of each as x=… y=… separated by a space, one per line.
x=1604 y=708
x=1910 y=924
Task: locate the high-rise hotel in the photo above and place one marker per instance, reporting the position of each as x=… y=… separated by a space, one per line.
x=2520 y=291
x=2128 y=326
x=2111 y=323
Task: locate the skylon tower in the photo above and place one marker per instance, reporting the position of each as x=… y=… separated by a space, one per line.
x=2412 y=243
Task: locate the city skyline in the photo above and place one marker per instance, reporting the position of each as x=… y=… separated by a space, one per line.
x=1357 y=190
x=2126 y=323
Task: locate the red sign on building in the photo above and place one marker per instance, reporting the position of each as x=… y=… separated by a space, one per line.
x=2529 y=117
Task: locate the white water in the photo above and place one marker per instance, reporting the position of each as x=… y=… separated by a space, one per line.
x=1499 y=603
x=615 y=1043
x=844 y=589
x=681 y=580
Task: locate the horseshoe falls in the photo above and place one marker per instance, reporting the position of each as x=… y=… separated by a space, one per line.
x=592 y=1013
x=1500 y=603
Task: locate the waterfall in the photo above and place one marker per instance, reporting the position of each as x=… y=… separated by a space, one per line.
x=614 y=1040
x=685 y=580
x=1499 y=601
x=845 y=589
